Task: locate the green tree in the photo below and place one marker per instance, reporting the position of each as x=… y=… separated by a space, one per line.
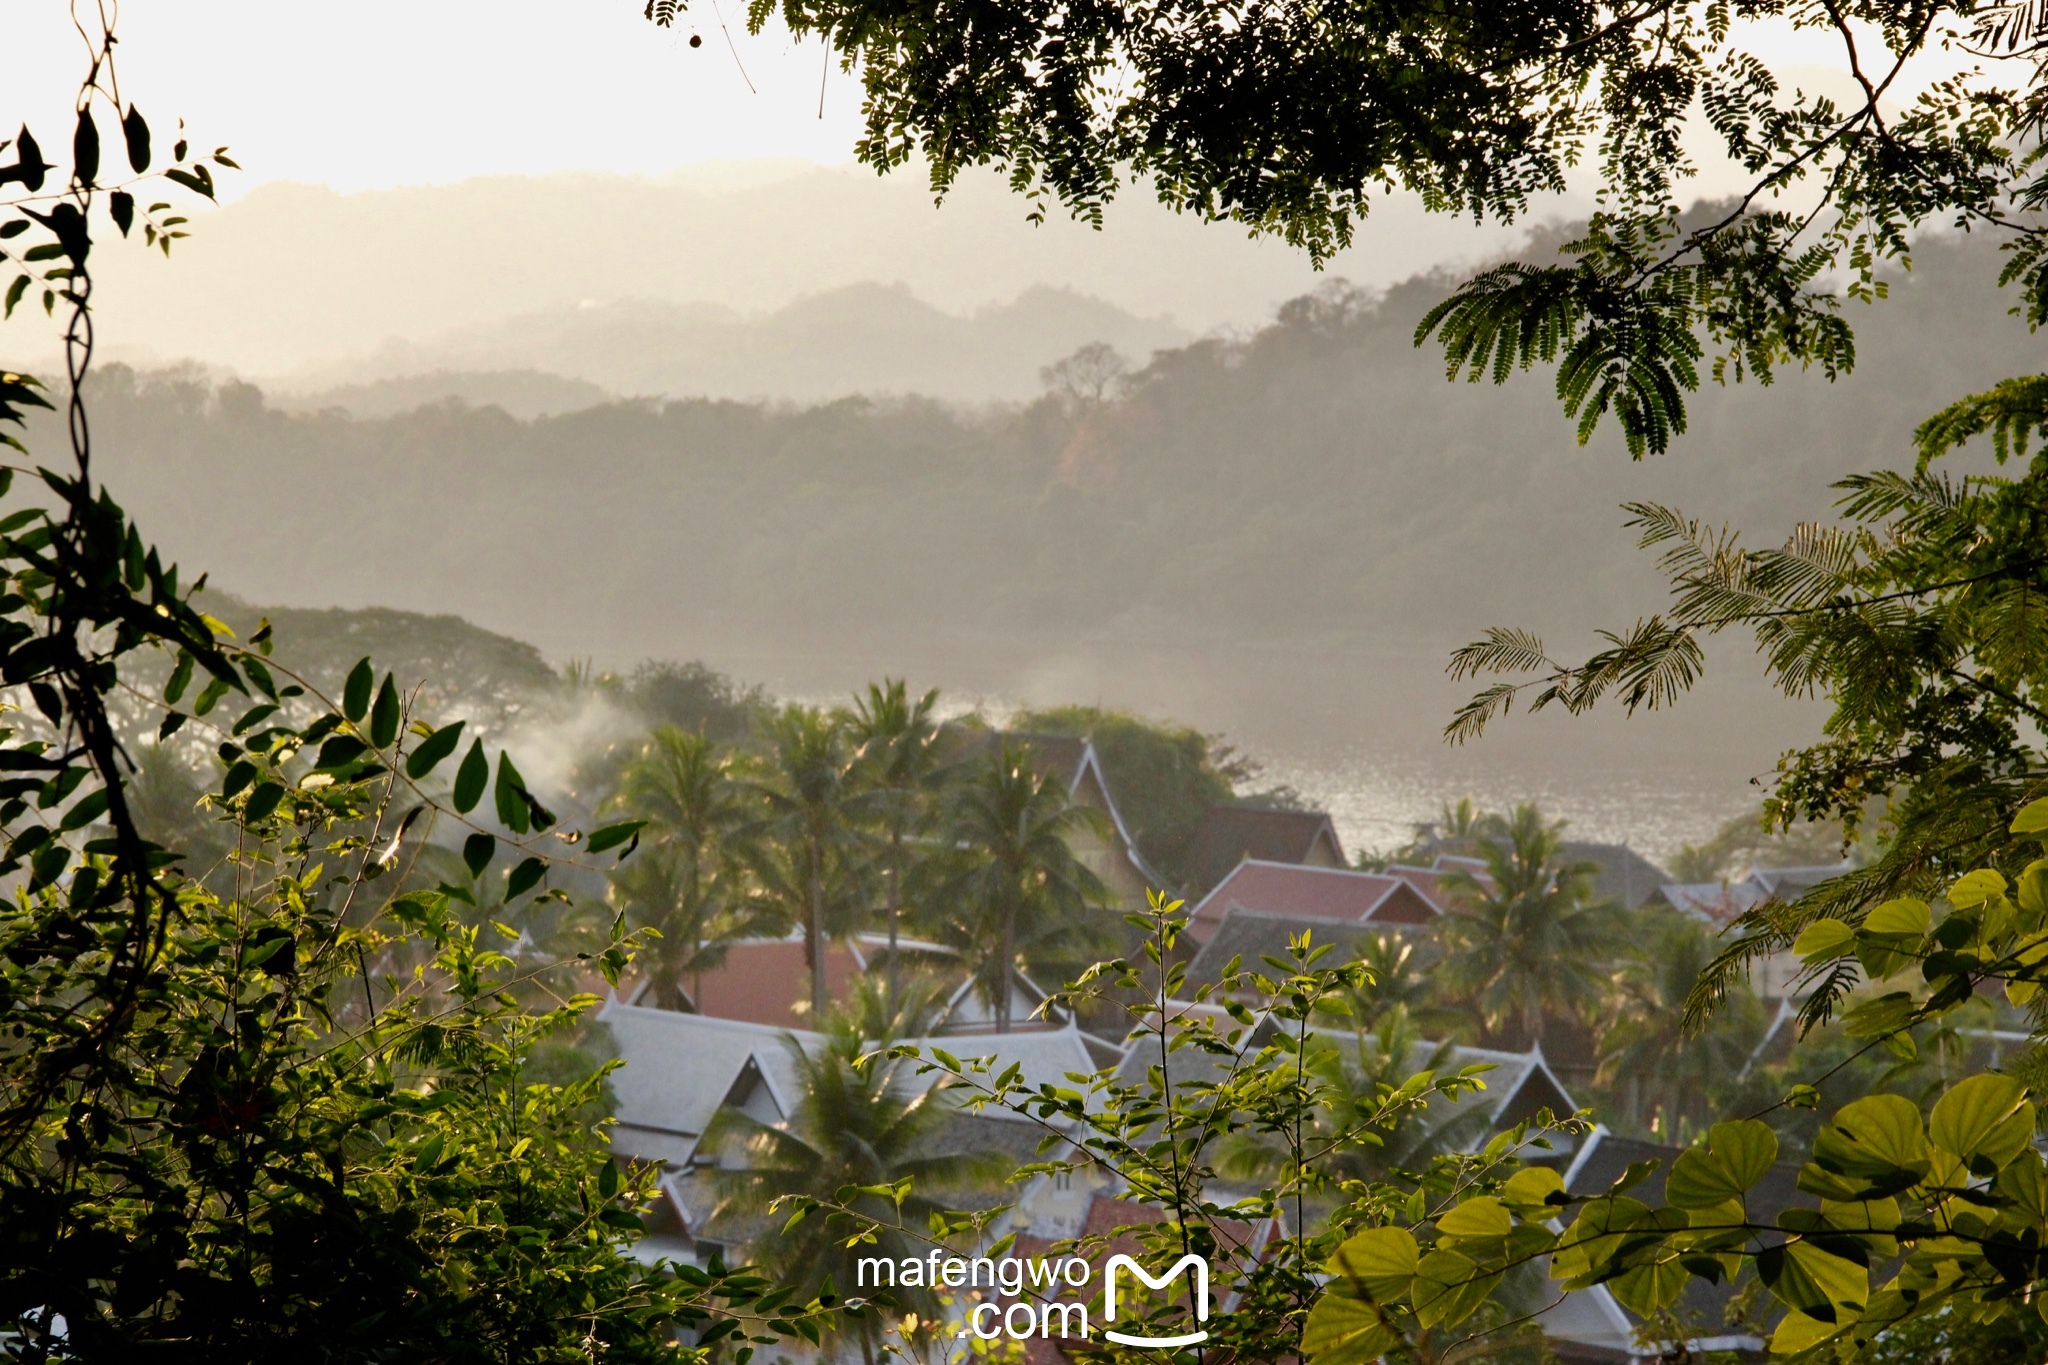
x=1668 y=1076
x=861 y=1123
x=1526 y=943
x=220 y=1140
x=1164 y=778
x=689 y=881
x=1014 y=893
x=1401 y=977
x=810 y=839
x=1349 y=1071
x=898 y=757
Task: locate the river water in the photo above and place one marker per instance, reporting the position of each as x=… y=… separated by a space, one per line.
x=1357 y=729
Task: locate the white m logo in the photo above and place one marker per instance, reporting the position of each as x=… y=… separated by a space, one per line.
x=1201 y=1298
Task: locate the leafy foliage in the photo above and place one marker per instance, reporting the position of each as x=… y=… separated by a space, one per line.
x=1922 y=1218
x=1289 y=120
x=223 y=1137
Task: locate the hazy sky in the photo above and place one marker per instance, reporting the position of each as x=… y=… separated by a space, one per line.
x=378 y=93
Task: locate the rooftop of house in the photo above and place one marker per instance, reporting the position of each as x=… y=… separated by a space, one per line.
x=767 y=981
x=1720 y=902
x=1626 y=877
x=680 y=1068
x=1229 y=834
x=1329 y=894
x=1253 y=935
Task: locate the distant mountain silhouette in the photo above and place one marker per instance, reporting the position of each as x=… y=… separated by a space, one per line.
x=866 y=338
x=294 y=276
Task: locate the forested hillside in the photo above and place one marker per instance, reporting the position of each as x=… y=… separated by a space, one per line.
x=1315 y=482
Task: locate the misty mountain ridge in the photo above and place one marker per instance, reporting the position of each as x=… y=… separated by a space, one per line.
x=1317 y=481
x=864 y=338
x=319 y=276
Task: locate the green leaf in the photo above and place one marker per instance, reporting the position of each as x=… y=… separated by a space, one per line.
x=433 y=749
x=524 y=878
x=238 y=777
x=1818 y=1283
x=384 y=715
x=1904 y=915
x=611 y=836
x=1747 y=1147
x=181 y=678
x=1985 y=1121
x=1824 y=939
x=1701 y=1180
x=2032 y=819
x=1975 y=888
x=355 y=693
x=254 y=717
x=1534 y=1187
x=1449 y=1288
x=1648 y=1288
x=1876 y=1139
x=339 y=751
x=85 y=148
x=260 y=675
x=470 y=778
x=86 y=809
x=1798 y=1333
x=1591 y=1242
x=135 y=130
x=263 y=801
x=1381 y=1261
x=477 y=851
x=1481 y=1216
x=48 y=864
x=1342 y=1330
x=507 y=790
x=209 y=696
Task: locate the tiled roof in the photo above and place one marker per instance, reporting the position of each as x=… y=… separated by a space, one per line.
x=1227 y=835
x=1626 y=877
x=762 y=981
x=1252 y=935
x=1318 y=893
x=679 y=1068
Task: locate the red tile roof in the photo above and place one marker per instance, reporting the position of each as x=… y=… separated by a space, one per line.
x=1324 y=893
x=763 y=979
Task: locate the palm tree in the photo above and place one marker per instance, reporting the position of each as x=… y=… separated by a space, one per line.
x=1397 y=978
x=1351 y=1076
x=688 y=880
x=1669 y=1076
x=859 y=1121
x=1526 y=941
x=1015 y=890
x=886 y=1013
x=810 y=835
x=897 y=755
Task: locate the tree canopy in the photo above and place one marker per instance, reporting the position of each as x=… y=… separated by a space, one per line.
x=1289 y=119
